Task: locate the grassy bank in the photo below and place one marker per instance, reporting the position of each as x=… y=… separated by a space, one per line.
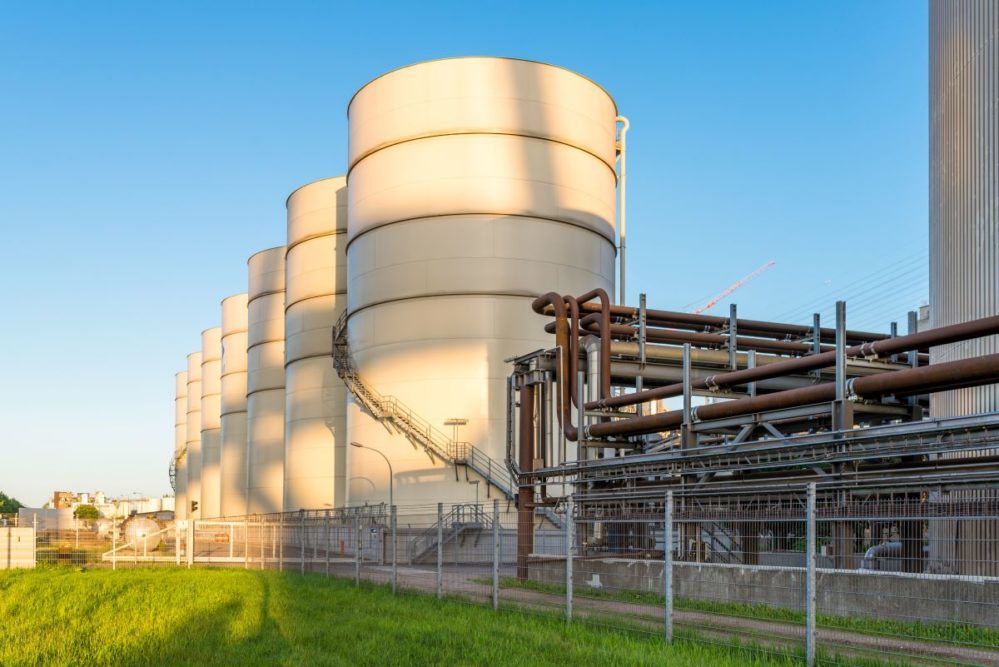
x=216 y=616
x=942 y=632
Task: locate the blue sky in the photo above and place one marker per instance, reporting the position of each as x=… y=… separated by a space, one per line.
x=146 y=149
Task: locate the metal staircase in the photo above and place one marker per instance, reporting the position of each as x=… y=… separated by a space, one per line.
x=464 y=521
x=395 y=415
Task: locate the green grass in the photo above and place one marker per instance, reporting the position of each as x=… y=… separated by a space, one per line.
x=236 y=617
x=947 y=632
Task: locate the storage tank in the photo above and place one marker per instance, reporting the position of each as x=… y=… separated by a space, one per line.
x=211 y=421
x=194 y=434
x=180 y=445
x=265 y=381
x=315 y=296
x=233 y=422
x=964 y=187
x=964 y=241
x=474 y=185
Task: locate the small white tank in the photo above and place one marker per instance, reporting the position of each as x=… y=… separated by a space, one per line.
x=142 y=533
x=194 y=434
x=475 y=184
x=265 y=381
x=315 y=295
x=233 y=422
x=179 y=445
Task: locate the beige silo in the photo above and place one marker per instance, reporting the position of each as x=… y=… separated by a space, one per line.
x=233 y=422
x=211 y=421
x=474 y=185
x=265 y=382
x=315 y=296
x=180 y=445
x=194 y=435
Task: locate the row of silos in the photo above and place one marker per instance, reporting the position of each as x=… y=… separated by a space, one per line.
x=473 y=185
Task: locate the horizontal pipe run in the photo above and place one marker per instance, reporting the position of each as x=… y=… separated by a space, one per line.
x=879 y=349
x=927 y=379
x=700 y=321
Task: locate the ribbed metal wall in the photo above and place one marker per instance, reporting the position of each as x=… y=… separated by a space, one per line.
x=964 y=183
x=964 y=233
x=233 y=422
x=315 y=296
x=180 y=444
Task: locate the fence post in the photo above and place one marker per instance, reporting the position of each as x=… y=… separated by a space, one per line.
x=327 y=543
x=440 y=550
x=395 y=547
x=301 y=542
x=569 y=539
x=176 y=542
x=668 y=568
x=810 y=579
x=280 y=542
x=246 y=543
x=357 y=548
x=34 y=540
x=496 y=553
x=261 y=534
x=190 y=541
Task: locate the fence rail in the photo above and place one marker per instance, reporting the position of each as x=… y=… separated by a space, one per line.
x=830 y=579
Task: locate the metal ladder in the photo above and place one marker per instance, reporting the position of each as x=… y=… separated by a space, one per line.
x=394 y=414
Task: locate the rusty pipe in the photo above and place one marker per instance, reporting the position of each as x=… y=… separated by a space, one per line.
x=525 y=492
x=605 y=325
x=566 y=380
x=926 y=379
x=883 y=348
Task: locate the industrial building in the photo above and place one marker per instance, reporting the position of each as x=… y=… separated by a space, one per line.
x=447 y=308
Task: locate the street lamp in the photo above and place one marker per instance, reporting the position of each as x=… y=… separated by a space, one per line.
x=387 y=462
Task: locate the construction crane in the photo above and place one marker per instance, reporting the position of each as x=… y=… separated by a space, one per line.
x=736 y=285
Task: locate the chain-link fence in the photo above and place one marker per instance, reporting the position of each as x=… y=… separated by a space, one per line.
x=835 y=576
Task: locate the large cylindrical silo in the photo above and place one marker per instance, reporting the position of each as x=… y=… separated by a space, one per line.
x=233 y=422
x=964 y=241
x=315 y=296
x=211 y=421
x=180 y=445
x=194 y=435
x=964 y=187
x=474 y=185
x=265 y=382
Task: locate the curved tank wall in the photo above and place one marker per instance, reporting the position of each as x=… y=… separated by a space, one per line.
x=265 y=381
x=179 y=445
x=315 y=296
x=211 y=421
x=194 y=434
x=964 y=188
x=233 y=406
x=475 y=184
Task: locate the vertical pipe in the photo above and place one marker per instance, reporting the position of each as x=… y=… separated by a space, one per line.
x=839 y=407
x=685 y=434
x=733 y=347
x=751 y=363
x=642 y=334
x=525 y=493
x=810 y=579
x=623 y=206
x=440 y=547
x=570 y=523
x=817 y=341
x=496 y=553
x=668 y=568
x=395 y=547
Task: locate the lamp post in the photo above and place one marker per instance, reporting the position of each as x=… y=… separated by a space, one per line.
x=388 y=463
